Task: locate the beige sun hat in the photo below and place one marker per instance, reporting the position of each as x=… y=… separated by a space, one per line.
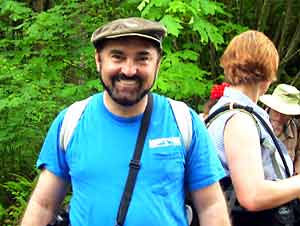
x=285 y=99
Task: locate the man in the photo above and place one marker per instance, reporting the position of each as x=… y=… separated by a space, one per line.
x=128 y=54
x=282 y=105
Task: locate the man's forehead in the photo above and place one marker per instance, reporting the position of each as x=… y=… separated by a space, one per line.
x=121 y=51
x=130 y=45
x=129 y=41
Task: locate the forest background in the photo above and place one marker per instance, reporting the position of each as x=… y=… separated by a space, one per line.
x=47 y=62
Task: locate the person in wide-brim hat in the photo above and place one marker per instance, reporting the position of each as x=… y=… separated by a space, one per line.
x=285 y=99
x=282 y=105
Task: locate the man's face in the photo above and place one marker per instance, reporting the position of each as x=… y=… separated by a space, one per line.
x=128 y=68
x=278 y=121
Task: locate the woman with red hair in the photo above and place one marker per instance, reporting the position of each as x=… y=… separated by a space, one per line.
x=255 y=171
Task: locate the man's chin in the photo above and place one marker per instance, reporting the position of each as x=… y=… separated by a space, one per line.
x=126 y=101
x=126 y=98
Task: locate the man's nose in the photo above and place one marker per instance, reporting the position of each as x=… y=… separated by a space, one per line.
x=129 y=68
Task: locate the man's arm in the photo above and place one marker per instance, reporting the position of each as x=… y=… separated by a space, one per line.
x=46 y=198
x=211 y=206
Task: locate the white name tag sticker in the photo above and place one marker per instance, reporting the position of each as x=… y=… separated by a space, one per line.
x=165 y=142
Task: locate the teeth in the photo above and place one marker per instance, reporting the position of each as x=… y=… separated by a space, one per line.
x=128 y=82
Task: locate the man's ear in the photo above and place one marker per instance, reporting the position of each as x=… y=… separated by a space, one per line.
x=98 y=60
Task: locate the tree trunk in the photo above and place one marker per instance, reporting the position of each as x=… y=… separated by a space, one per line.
x=41 y=5
x=257 y=11
x=285 y=29
x=278 y=31
x=264 y=15
x=241 y=12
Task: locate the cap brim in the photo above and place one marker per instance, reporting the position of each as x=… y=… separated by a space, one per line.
x=135 y=34
x=278 y=105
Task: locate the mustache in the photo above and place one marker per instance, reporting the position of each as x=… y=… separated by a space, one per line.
x=122 y=76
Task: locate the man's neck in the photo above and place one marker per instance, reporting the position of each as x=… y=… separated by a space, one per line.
x=124 y=111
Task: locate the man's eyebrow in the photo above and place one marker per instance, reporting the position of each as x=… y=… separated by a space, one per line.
x=142 y=53
x=120 y=52
x=116 y=51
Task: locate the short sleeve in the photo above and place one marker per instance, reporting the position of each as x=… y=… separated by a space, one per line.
x=52 y=157
x=203 y=165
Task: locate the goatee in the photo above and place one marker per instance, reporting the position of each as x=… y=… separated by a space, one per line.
x=123 y=100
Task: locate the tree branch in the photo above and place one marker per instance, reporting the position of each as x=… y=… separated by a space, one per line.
x=293 y=43
x=296 y=77
x=286 y=59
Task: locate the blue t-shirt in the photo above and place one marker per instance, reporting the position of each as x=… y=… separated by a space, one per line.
x=97 y=158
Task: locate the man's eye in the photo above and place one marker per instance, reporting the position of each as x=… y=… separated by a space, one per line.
x=117 y=56
x=143 y=58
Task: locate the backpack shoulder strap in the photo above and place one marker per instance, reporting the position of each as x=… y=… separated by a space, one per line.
x=233 y=106
x=257 y=118
x=70 y=122
x=230 y=107
x=184 y=121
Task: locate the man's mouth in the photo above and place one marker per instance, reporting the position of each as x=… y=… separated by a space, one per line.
x=127 y=82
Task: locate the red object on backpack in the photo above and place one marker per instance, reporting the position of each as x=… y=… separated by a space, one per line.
x=217 y=91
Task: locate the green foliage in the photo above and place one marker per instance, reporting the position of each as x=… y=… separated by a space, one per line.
x=44 y=67
x=19 y=191
x=2 y=213
x=180 y=72
x=186 y=16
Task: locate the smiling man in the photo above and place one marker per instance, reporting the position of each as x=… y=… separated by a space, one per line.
x=97 y=158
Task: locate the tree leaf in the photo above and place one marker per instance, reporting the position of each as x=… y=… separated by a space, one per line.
x=172 y=24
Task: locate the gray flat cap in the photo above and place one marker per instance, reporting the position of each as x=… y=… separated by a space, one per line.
x=132 y=26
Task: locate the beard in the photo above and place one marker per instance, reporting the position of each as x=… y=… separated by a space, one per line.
x=126 y=96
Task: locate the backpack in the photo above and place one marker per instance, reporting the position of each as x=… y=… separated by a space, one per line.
x=284 y=215
x=182 y=116
x=257 y=118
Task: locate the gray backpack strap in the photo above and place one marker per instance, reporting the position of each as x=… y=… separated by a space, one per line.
x=184 y=121
x=70 y=122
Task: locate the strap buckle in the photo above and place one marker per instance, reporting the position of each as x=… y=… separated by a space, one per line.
x=134 y=164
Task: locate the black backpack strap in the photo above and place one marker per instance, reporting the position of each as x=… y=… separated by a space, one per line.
x=264 y=124
x=134 y=164
x=227 y=108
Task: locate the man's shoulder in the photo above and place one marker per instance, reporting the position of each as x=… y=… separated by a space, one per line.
x=90 y=100
x=161 y=102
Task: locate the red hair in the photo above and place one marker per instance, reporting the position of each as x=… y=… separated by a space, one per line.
x=249 y=58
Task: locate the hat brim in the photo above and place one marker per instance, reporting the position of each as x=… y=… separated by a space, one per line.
x=277 y=104
x=134 y=34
